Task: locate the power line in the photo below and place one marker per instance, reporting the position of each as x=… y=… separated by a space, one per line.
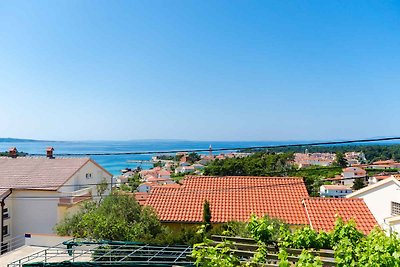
x=225 y=149
x=268 y=173
x=198 y=191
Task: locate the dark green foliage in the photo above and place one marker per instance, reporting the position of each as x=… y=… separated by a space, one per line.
x=233 y=228
x=207 y=215
x=157 y=164
x=358 y=184
x=178 y=177
x=118 y=217
x=134 y=181
x=165 y=157
x=371 y=152
x=314 y=177
x=340 y=160
x=221 y=255
x=351 y=247
x=258 y=164
x=19 y=154
x=193 y=157
x=267 y=230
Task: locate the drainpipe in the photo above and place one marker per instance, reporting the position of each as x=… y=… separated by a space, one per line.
x=2 y=220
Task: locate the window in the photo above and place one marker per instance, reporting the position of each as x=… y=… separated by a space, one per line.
x=88 y=175
x=5 y=230
x=6 y=215
x=395 y=208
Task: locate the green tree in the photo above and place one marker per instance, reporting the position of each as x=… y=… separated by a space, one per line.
x=207 y=215
x=117 y=217
x=193 y=157
x=358 y=184
x=134 y=181
x=340 y=160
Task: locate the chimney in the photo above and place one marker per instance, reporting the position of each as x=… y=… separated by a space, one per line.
x=49 y=152
x=12 y=152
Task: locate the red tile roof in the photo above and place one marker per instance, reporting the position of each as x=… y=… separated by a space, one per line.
x=141 y=197
x=322 y=213
x=231 y=198
x=38 y=172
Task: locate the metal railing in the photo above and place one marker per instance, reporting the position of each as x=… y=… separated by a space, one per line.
x=110 y=253
x=12 y=244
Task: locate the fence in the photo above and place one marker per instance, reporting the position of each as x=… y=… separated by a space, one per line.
x=245 y=248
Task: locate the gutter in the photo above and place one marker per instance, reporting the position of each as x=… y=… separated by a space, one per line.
x=2 y=221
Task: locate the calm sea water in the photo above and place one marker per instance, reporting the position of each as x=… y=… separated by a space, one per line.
x=115 y=163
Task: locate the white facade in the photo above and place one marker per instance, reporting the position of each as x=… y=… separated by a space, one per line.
x=351 y=173
x=334 y=191
x=381 y=199
x=38 y=211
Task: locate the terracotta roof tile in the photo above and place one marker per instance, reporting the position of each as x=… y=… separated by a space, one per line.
x=322 y=213
x=231 y=198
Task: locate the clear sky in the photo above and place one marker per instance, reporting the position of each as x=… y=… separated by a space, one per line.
x=199 y=70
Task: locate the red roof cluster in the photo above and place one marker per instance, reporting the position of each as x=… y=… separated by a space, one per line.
x=322 y=213
x=231 y=198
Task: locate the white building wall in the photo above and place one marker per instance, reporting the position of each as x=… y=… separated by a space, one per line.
x=88 y=176
x=33 y=211
x=334 y=192
x=379 y=200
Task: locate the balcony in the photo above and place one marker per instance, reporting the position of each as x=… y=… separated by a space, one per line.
x=72 y=198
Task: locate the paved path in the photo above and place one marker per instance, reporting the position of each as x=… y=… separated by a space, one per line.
x=18 y=254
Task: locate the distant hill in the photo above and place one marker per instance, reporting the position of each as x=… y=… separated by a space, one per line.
x=13 y=140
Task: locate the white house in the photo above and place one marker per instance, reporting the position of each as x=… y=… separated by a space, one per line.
x=336 y=191
x=184 y=169
x=383 y=200
x=164 y=174
x=37 y=192
x=351 y=173
x=379 y=177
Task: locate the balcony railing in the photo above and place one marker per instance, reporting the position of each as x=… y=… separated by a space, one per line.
x=71 y=198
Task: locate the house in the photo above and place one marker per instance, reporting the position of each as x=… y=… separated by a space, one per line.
x=308 y=159
x=37 y=192
x=184 y=169
x=198 y=166
x=145 y=187
x=349 y=174
x=152 y=182
x=335 y=191
x=231 y=198
x=378 y=177
x=355 y=158
x=323 y=212
x=383 y=199
x=164 y=174
x=385 y=164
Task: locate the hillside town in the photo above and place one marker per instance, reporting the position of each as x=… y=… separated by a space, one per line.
x=40 y=193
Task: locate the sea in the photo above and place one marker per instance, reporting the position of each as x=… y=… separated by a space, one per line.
x=115 y=163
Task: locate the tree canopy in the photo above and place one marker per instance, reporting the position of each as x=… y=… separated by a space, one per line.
x=258 y=164
x=117 y=217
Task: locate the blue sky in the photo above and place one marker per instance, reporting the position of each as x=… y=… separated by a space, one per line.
x=199 y=70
